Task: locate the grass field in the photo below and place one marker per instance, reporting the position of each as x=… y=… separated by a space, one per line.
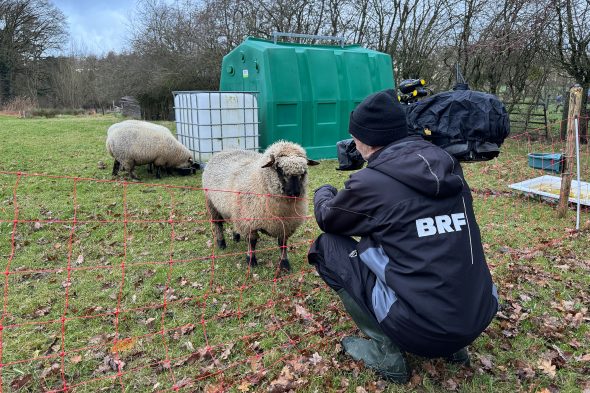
x=117 y=286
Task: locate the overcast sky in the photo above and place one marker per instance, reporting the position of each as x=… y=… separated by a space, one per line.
x=97 y=26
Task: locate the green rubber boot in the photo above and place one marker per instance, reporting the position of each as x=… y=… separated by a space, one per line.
x=379 y=352
x=460 y=357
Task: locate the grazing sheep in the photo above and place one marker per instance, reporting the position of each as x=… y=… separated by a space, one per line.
x=261 y=192
x=134 y=142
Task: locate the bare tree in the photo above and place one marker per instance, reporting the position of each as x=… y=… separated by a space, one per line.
x=572 y=46
x=498 y=43
x=411 y=31
x=180 y=46
x=28 y=30
x=510 y=50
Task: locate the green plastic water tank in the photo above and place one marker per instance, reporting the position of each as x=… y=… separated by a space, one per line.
x=305 y=92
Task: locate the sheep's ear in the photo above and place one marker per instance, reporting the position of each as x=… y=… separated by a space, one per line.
x=312 y=162
x=270 y=162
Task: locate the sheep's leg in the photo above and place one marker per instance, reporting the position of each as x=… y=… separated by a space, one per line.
x=251 y=257
x=131 y=171
x=217 y=224
x=116 y=167
x=158 y=172
x=236 y=237
x=150 y=168
x=284 y=264
x=129 y=166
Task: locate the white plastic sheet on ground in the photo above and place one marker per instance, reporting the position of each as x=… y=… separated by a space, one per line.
x=550 y=186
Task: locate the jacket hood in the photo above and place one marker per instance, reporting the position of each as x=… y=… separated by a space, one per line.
x=420 y=165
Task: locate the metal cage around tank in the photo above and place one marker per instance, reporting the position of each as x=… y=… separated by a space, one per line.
x=211 y=121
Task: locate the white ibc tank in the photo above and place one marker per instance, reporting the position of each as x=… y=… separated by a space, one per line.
x=208 y=122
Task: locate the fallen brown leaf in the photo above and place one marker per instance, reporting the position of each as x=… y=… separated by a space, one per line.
x=415 y=380
x=53 y=369
x=431 y=369
x=525 y=372
x=547 y=368
x=285 y=382
x=302 y=312
x=486 y=362
x=42 y=311
x=18 y=383
x=110 y=364
x=315 y=359
x=244 y=386
x=378 y=386
x=184 y=330
x=123 y=345
x=200 y=354
x=450 y=384
x=255 y=362
x=184 y=383
x=225 y=354
x=212 y=388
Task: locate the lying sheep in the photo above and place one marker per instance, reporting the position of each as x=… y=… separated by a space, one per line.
x=134 y=142
x=262 y=192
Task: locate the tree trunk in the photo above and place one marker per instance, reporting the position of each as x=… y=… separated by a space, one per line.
x=5 y=83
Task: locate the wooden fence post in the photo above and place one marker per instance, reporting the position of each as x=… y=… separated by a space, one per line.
x=575 y=104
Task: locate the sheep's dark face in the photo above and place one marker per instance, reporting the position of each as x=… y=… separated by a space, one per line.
x=188 y=166
x=293 y=185
x=291 y=174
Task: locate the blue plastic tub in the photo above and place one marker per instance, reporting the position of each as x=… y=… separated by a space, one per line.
x=551 y=162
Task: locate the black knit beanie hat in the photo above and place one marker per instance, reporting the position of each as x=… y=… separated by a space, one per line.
x=379 y=119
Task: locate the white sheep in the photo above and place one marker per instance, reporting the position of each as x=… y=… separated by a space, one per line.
x=143 y=124
x=258 y=192
x=134 y=142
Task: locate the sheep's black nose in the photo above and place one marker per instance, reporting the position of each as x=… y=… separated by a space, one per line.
x=293 y=187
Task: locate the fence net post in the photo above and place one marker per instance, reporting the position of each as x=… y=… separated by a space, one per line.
x=566 y=176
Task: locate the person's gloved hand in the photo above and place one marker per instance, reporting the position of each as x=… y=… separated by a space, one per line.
x=323 y=194
x=328 y=187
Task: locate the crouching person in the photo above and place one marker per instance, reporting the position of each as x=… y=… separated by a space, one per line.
x=417 y=281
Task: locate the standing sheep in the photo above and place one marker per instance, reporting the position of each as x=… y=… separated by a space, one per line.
x=134 y=142
x=258 y=192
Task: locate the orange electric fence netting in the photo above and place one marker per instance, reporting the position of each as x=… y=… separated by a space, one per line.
x=110 y=283
x=120 y=285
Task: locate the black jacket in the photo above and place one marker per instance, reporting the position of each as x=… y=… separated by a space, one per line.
x=413 y=210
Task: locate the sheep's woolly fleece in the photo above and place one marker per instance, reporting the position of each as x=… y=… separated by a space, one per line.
x=291 y=158
x=246 y=183
x=137 y=143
